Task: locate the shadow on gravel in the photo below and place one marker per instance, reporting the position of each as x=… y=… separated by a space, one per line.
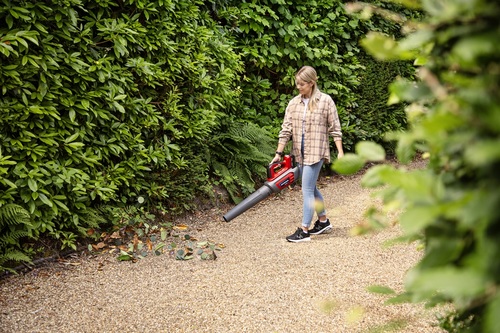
x=336 y=232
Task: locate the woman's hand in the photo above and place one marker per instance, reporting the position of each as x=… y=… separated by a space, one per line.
x=340 y=154
x=276 y=158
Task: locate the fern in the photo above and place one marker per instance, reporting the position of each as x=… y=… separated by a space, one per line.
x=14 y=225
x=238 y=156
x=12 y=214
x=12 y=256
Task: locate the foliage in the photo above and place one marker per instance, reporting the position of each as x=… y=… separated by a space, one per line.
x=103 y=102
x=276 y=38
x=451 y=206
x=374 y=117
x=239 y=156
x=14 y=225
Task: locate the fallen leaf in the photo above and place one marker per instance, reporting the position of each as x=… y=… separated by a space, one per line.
x=136 y=242
x=181 y=227
x=115 y=235
x=98 y=246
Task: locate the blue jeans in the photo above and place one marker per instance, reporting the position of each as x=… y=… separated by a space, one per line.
x=310 y=193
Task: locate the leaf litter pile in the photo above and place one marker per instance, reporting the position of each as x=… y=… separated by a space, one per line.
x=134 y=242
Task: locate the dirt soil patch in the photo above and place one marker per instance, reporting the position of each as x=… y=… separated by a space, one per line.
x=258 y=283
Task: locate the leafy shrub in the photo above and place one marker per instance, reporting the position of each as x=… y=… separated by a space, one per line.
x=374 y=117
x=276 y=38
x=452 y=205
x=102 y=100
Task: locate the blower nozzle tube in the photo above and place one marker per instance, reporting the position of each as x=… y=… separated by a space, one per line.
x=256 y=197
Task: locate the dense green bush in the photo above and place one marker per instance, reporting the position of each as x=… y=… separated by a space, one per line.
x=451 y=206
x=103 y=102
x=374 y=117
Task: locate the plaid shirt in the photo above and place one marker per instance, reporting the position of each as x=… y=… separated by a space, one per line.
x=317 y=126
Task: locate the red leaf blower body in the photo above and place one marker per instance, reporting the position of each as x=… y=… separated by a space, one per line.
x=279 y=176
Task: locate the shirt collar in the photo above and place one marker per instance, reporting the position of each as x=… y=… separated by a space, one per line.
x=316 y=96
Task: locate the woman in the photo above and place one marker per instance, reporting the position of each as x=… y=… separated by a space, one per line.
x=310 y=118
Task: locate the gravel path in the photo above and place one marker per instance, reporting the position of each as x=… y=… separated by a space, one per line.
x=259 y=282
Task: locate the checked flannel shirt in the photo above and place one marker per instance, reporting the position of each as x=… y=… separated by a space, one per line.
x=317 y=125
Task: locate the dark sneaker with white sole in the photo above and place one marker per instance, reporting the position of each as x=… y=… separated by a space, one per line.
x=320 y=227
x=299 y=236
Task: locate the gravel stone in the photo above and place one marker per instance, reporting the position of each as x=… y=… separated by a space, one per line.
x=259 y=282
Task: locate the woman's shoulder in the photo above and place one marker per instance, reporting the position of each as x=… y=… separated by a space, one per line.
x=324 y=96
x=295 y=100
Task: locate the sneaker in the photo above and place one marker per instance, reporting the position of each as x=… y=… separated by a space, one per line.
x=299 y=236
x=320 y=227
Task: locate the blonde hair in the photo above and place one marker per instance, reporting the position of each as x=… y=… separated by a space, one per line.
x=308 y=74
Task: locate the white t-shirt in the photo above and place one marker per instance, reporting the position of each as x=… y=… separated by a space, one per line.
x=306 y=102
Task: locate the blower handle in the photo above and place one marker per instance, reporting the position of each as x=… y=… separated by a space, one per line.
x=274 y=170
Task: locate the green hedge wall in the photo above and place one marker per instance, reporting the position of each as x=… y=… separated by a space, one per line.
x=103 y=102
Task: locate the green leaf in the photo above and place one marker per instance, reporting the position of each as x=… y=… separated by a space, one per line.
x=492 y=324
x=405 y=149
x=85 y=104
x=163 y=234
x=404 y=298
x=457 y=283
x=75 y=145
x=45 y=200
x=124 y=256
x=72 y=115
x=483 y=153
x=381 y=290
x=71 y=138
x=159 y=246
x=442 y=250
x=376 y=175
x=370 y=151
x=10 y=21
x=385 y=48
x=408 y=91
x=33 y=185
x=62 y=205
x=416 y=219
x=349 y=164
x=120 y=97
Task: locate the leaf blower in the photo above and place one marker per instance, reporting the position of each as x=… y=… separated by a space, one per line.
x=279 y=176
